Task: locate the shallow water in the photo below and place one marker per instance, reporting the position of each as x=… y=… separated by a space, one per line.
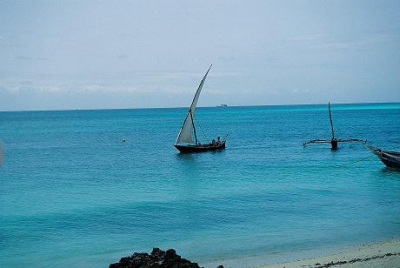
x=72 y=194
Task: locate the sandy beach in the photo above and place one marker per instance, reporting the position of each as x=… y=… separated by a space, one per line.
x=379 y=254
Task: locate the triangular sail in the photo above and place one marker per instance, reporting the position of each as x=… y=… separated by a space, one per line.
x=185 y=135
x=196 y=96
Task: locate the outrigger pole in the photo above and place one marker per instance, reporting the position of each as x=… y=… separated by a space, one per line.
x=334 y=142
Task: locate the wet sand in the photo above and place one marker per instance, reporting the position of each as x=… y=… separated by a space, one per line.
x=380 y=254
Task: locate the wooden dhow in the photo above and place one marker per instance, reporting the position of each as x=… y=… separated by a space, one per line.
x=187 y=140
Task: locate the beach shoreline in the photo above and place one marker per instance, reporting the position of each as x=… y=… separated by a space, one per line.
x=377 y=254
x=380 y=253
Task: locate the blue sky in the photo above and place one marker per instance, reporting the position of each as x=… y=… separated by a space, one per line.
x=135 y=54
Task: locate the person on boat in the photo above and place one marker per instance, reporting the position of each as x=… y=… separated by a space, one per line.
x=219 y=140
x=213 y=142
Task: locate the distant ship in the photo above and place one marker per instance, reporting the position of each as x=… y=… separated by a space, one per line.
x=222 y=105
x=185 y=142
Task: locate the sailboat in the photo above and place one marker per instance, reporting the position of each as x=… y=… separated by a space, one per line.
x=187 y=140
x=334 y=141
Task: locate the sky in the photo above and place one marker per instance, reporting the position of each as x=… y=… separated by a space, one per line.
x=57 y=55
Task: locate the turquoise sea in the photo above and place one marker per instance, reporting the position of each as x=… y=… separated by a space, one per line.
x=73 y=195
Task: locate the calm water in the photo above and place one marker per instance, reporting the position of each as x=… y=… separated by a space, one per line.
x=71 y=194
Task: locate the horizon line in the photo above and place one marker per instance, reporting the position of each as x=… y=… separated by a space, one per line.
x=181 y=107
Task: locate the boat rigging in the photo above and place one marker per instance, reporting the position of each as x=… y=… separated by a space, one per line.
x=187 y=140
x=334 y=141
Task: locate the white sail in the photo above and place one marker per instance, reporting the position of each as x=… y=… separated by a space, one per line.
x=185 y=135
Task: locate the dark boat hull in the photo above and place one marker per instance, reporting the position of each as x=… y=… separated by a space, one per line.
x=390 y=159
x=200 y=148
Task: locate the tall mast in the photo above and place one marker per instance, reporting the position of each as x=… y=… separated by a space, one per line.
x=330 y=118
x=194 y=128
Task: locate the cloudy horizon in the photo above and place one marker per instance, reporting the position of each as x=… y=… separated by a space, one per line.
x=58 y=55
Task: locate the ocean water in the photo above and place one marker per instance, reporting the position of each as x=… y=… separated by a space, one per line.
x=73 y=195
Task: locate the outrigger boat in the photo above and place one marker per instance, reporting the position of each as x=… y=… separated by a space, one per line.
x=389 y=158
x=187 y=140
x=334 y=141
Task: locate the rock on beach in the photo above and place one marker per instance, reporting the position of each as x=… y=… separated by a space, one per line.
x=157 y=259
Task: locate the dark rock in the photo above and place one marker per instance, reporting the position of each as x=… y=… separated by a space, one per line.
x=170 y=255
x=157 y=259
x=355 y=260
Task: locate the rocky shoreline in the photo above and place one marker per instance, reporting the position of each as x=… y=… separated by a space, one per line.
x=156 y=259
